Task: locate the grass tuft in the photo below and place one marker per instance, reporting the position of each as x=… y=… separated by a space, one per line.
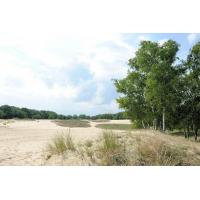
x=111 y=150
x=61 y=144
x=157 y=152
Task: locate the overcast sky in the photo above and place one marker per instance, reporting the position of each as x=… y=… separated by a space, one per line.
x=70 y=73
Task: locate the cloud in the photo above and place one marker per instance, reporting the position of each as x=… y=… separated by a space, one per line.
x=62 y=72
x=192 y=37
x=162 y=41
x=143 y=37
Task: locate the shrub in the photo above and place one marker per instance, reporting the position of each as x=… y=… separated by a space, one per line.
x=111 y=150
x=157 y=152
x=61 y=144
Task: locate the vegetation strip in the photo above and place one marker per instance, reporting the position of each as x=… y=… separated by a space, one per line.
x=115 y=126
x=111 y=149
x=72 y=123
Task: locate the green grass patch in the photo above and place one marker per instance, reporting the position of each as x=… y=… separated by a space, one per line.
x=115 y=126
x=100 y=120
x=72 y=123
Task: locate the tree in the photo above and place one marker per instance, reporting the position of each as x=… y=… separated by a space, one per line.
x=36 y=116
x=148 y=90
x=161 y=80
x=1 y=114
x=8 y=112
x=191 y=101
x=52 y=115
x=133 y=101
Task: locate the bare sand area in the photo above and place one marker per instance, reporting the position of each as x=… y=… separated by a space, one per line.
x=23 y=142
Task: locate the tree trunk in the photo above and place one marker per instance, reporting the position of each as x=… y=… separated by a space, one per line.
x=163 y=119
x=188 y=131
x=153 y=124
x=185 y=132
x=143 y=124
x=195 y=133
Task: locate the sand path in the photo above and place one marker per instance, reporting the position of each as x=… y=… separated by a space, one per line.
x=23 y=142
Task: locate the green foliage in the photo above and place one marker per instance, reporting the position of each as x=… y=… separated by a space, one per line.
x=1 y=114
x=120 y=115
x=9 y=112
x=52 y=115
x=160 y=89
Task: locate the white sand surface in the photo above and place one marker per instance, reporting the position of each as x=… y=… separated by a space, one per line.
x=23 y=142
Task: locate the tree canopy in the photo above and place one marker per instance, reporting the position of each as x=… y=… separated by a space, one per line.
x=160 y=91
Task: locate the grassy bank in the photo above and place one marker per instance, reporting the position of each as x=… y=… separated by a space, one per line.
x=137 y=149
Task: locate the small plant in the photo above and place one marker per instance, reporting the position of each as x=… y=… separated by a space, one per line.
x=88 y=143
x=57 y=146
x=111 y=151
x=61 y=143
x=90 y=153
x=69 y=143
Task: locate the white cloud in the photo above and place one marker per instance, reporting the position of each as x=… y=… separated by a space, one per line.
x=192 y=37
x=36 y=69
x=106 y=62
x=111 y=107
x=143 y=37
x=161 y=42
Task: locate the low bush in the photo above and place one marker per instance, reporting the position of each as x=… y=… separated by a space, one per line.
x=157 y=152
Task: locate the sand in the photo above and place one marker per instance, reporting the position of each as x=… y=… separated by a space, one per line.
x=23 y=142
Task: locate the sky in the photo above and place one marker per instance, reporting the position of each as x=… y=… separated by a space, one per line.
x=70 y=73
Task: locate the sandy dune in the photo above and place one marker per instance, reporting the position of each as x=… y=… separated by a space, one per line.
x=23 y=142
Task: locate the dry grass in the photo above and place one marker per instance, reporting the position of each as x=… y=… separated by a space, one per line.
x=155 y=151
x=111 y=150
x=131 y=148
x=60 y=144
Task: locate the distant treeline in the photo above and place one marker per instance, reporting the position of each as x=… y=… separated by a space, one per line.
x=10 y=112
